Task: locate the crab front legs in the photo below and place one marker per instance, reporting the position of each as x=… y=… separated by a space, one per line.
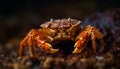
x=40 y=38
x=89 y=32
x=27 y=41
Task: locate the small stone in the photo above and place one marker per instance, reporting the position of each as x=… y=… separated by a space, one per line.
x=28 y=63
x=19 y=58
x=99 y=58
x=2 y=55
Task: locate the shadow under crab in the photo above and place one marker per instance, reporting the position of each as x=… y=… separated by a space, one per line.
x=65 y=46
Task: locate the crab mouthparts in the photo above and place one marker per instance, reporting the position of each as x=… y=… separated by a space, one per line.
x=64 y=46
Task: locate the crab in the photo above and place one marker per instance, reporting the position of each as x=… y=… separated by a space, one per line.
x=60 y=29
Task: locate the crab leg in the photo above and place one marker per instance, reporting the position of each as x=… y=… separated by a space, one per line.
x=22 y=44
x=27 y=40
x=97 y=34
x=93 y=42
x=31 y=49
x=103 y=45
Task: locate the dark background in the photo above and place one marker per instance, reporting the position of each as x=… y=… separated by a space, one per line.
x=17 y=17
x=58 y=7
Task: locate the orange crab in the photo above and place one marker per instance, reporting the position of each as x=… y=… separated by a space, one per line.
x=60 y=29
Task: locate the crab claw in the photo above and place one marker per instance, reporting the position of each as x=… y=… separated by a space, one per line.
x=76 y=50
x=80 y=45
x=46 y=46
x=50 y=49
x=53 y=50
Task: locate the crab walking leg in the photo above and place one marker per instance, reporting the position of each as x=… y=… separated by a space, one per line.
x=81 y=42
x=99 y=36
x=31 y=49
x=93 y=42
x=102 y=44
x=22 y=44
x=46 y=46
x=26 y=41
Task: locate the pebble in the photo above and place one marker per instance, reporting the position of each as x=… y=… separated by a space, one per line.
x=99 y=58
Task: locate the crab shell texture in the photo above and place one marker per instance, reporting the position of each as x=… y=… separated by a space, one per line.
x=63 y=28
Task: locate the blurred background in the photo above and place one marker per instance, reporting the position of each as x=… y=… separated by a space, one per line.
x=17 y=17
